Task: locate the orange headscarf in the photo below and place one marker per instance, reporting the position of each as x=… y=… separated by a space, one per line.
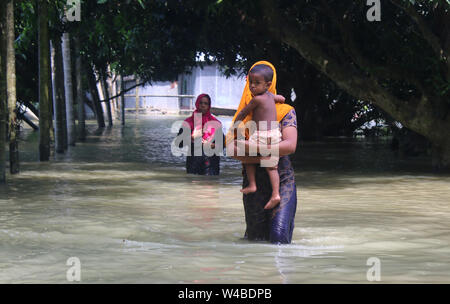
x=282 y=109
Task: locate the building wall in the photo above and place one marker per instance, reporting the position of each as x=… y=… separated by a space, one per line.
x=225 y=92
x=160 y=88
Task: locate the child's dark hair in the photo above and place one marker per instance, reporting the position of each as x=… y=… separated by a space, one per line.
x=264 y=70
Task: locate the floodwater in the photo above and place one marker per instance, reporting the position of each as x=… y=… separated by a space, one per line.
x=122 y=204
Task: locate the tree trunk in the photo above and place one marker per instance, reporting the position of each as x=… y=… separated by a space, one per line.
x=45 y=117
x=311 y=124
x=95 y=98
x=3 y=107
x=68 y=89
x=122 y=99
x=79 y=90
x=58 y=95
x=441 y=157
x=11 y=88
x=427 y=114
x=114 y=91
x=51 y=110
x=112 y=102
x=105 y=88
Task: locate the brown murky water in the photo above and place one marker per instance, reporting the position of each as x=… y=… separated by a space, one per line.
x=123 y=205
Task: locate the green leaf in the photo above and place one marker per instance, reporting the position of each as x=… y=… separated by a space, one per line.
x=141 y=3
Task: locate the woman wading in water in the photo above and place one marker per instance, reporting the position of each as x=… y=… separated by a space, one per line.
x=200 y=126
x=277 y=224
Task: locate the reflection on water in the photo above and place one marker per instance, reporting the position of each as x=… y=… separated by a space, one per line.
x=124 y=206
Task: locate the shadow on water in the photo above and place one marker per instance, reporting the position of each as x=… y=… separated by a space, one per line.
x=357 y=155
x=332 y=162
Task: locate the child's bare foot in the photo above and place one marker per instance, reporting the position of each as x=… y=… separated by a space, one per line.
x=274 y=200
x=249 y=189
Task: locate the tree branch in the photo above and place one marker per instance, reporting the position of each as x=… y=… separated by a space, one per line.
x=345 y=75
x=378 y=70
x=124 y=91
x=427 y=34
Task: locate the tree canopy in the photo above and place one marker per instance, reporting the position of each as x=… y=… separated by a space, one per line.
x=337 y=61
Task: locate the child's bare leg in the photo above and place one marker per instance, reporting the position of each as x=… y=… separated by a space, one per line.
x=251 y=171
x=275 y=182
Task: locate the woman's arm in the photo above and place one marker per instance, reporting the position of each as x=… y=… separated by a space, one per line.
x=251 y=159
x=287 y=146
x=289 y=143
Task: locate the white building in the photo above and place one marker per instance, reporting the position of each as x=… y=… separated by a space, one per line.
x=225 y=92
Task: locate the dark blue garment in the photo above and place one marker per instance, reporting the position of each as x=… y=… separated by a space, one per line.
x=203 y=165
x=275 y=225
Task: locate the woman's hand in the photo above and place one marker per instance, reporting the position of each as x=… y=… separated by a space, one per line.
x=244 y=149
x=240 y=150
x=206 y=141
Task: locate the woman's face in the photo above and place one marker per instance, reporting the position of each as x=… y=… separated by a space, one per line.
x=203 y=105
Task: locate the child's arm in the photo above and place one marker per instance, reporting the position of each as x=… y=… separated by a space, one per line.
x=247 y=109
x=279 y=98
